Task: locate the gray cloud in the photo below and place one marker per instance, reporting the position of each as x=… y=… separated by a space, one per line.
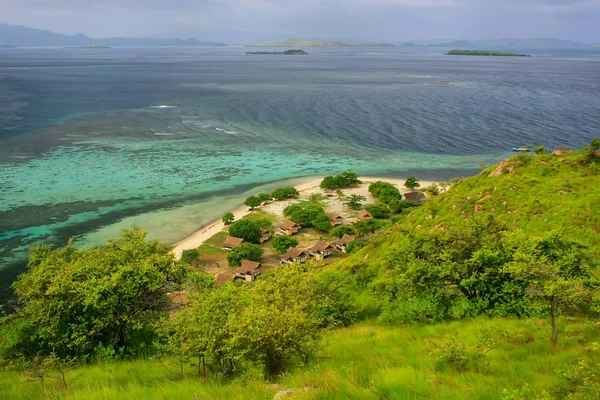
x=386 y=20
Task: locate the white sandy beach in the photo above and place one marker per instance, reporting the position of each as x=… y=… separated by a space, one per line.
x=306 y=188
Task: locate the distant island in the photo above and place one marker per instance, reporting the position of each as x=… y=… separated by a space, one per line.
x=299 y=52
x=8 y=46
x=319 y=43
x=90 y=46
x=484 y=53
x=14 y=35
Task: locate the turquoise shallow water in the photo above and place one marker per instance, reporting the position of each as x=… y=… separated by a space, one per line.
x=86 y=148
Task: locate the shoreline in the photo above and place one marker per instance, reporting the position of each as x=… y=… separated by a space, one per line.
x=198 y=237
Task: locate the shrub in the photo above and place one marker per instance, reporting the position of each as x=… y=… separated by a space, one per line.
x=308 y=213
x=355 y=246
x=398 y=206
x=595 y=144
x=379 y=210
x=252 y=202
x=354 y=201
x=246 y=229
x=264 y=197
x=540 y=150
x=245 y=251
x=340 y=231
x=228 y=218
x=283 y=243
x=385 y=192
x=345 y=179
x=190 y=257
x=285 y=193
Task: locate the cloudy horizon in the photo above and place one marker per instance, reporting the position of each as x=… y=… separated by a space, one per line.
x=367 y=20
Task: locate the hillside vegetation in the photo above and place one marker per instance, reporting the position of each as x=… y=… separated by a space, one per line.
x=489 y=290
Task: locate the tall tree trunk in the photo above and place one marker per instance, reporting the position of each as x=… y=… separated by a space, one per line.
x=553 y=307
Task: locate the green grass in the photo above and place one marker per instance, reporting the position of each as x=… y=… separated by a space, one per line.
x=533 y=193
x=365 y=361
x=214 y=245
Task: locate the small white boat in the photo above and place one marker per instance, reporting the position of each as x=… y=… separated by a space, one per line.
x=525 y=149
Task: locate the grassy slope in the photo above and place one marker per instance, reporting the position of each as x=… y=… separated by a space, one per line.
x=365 y=361
x=544 y=193
x=371 y=361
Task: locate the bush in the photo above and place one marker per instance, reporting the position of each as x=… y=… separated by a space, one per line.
x=190 y=257
x=285 y=193
x=540 y=150
x=345 y=179
x=283 y=243
x=247 y=230
x=308 y=213
x=252 y=202
x=371 y=226
x=245 y=251
x=409 y=311
x=264 y=197
x=340 y=231
x=397 y=206
x=379 y=210
x=228 y=218
x=595 y=144
x=385 y=192
x=355 y=246
x=354 y=201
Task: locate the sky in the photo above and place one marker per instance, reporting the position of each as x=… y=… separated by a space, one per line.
x=368 y=20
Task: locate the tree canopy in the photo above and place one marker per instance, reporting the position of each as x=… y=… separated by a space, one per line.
x=245 y=251
x=253 y=202
x=228 y=218
x=285 y=193
x=379 y=210
x=385 y=192
x=343 y=180
x=283 y=243
x=72 y=303
x=246 y=229
x=308 y=213
x=412 y=183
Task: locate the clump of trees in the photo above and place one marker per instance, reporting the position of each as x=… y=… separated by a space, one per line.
x=283 y=243
x=190 y=257
x=74 y=304
x=354 y=201
x=343 y=180
x=480 y=268
x=379 y=210
x=285 y=193
x=284 y=313
x=246 y=229
x=252 y=202
x=308 y=213
x=385 y=192
x=340 y=231
x=245 y=251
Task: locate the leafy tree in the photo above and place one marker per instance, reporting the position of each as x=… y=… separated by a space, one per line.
x=340 y=231
x=345 y=179
x=252 y=202
x=308 y=213
x=385 y=192
x=283 y=243
x=354 y=201
x=379 y=210
x=190 y=257
x=370 y=225
x=246 y=229
x=245 y=251
x=559 y=274
x=595 y=144
x=264 y=198
x=285 y=193
x=74 y=302
x=412 y=183
x=356 y=245
x=540 y=150
x=228 y=218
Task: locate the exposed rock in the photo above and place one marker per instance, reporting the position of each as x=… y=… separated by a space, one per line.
x=561 y=192
x=558 y=153
x=478 y=207
x=502 y=168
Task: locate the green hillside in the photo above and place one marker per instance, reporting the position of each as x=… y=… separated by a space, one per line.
x=489 y=290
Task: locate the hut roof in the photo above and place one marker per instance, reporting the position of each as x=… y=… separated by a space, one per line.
x=414 y=196
x=287 y=224
x=328 y=191
x=345 y=240
x=333 y=216
x=264 y=231
x=320 y=246
x=294 y=252
x=232 y=242
x=248 y=267
x=224 y=278
x=364 y=214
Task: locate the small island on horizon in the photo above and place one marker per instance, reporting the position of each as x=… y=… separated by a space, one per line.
x=292 y=52
x=319 y=43
x=485 y=53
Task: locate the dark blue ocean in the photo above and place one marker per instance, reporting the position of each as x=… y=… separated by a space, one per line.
x=93 y=140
